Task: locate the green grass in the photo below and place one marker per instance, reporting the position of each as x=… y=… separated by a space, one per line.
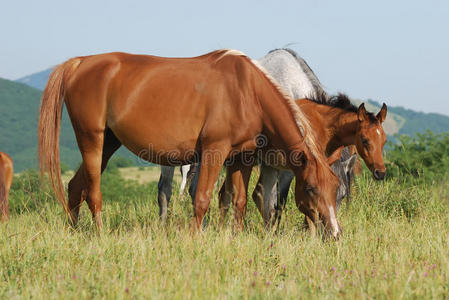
x=394 y=245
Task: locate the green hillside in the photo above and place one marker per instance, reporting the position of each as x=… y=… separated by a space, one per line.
x=418 y=121
x=19 y=105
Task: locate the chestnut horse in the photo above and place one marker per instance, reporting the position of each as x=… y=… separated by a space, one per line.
x=337 y=123
x=6 y=174
x=174 y=111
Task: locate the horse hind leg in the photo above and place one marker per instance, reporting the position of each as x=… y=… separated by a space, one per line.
x=78 y=187
x=77 y=190
x=184 y=172
x=164 y=191
x=240 y=178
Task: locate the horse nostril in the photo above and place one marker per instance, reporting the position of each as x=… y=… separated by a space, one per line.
x=379 y=175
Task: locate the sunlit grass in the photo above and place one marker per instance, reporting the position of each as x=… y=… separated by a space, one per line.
x=395 y=245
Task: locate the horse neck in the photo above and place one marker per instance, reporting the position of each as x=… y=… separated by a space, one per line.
x=344 y=128
x=278 y=120
x=340 y=127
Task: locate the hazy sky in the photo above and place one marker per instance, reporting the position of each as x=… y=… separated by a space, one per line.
x=392 y=51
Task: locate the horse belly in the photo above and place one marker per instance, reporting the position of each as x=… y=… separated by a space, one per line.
x=159 y=136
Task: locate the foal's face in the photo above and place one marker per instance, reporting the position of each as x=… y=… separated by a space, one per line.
x=316 y=190
x=370 y=140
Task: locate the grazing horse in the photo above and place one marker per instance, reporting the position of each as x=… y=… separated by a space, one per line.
x=6 y=174
x=175 y=111
x=293 y=74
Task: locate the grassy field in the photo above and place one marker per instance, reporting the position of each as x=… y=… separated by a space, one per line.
x=394 y=245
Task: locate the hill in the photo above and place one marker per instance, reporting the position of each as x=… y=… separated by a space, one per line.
x=37 y=80
x=412 y=121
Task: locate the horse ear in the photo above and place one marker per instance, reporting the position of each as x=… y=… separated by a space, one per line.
x=361 y=113
x=350 y=163
x=335 y=156
x=381 y=116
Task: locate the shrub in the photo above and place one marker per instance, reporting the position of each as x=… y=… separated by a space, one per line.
x=420 y=157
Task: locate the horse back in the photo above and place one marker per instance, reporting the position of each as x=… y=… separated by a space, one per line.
x=170 y=103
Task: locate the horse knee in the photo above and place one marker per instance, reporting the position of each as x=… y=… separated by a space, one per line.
x=241 y=204
x=201 y=206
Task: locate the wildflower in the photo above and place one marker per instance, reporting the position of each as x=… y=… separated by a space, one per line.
x=127 y=290
x=74 y=276
x=253 y=283
x=268 y=283
x=250 y=261
x=333 y=269
x=283 y=267
x=425 y=274
x=255 y=273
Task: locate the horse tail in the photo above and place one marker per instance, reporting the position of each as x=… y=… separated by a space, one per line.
x=49 y=126
x=3 y=204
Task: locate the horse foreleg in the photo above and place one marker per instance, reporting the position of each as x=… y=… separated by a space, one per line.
x=225 y=195
x=212 y=159
x=265 y=193
x=240 y=175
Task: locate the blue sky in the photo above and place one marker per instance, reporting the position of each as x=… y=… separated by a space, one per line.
x=392 y=51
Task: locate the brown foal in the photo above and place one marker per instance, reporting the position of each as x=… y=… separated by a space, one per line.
x=337 y=123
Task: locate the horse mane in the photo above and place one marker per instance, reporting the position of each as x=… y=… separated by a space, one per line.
x=340 y=101
x=317 y=86
x=226 y=52
x=301 y=120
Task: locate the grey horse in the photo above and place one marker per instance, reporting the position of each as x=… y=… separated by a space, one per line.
x=298 y=80
x=189 y=174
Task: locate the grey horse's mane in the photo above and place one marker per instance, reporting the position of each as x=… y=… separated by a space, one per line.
x=306 y=68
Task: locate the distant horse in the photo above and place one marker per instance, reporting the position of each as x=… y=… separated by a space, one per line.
x=6 y=174
x=175 y=111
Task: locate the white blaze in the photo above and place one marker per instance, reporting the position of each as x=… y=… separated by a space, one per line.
x=378 y=131
x=334 y=223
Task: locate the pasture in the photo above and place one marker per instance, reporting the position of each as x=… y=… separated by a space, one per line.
x=394 y=245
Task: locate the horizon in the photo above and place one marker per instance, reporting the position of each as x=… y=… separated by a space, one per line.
x=387 y=52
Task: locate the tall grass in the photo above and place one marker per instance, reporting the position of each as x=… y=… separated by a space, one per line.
x=394 y=245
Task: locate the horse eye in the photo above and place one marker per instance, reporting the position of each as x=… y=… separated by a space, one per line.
x=310 y=190
x=365 y=142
